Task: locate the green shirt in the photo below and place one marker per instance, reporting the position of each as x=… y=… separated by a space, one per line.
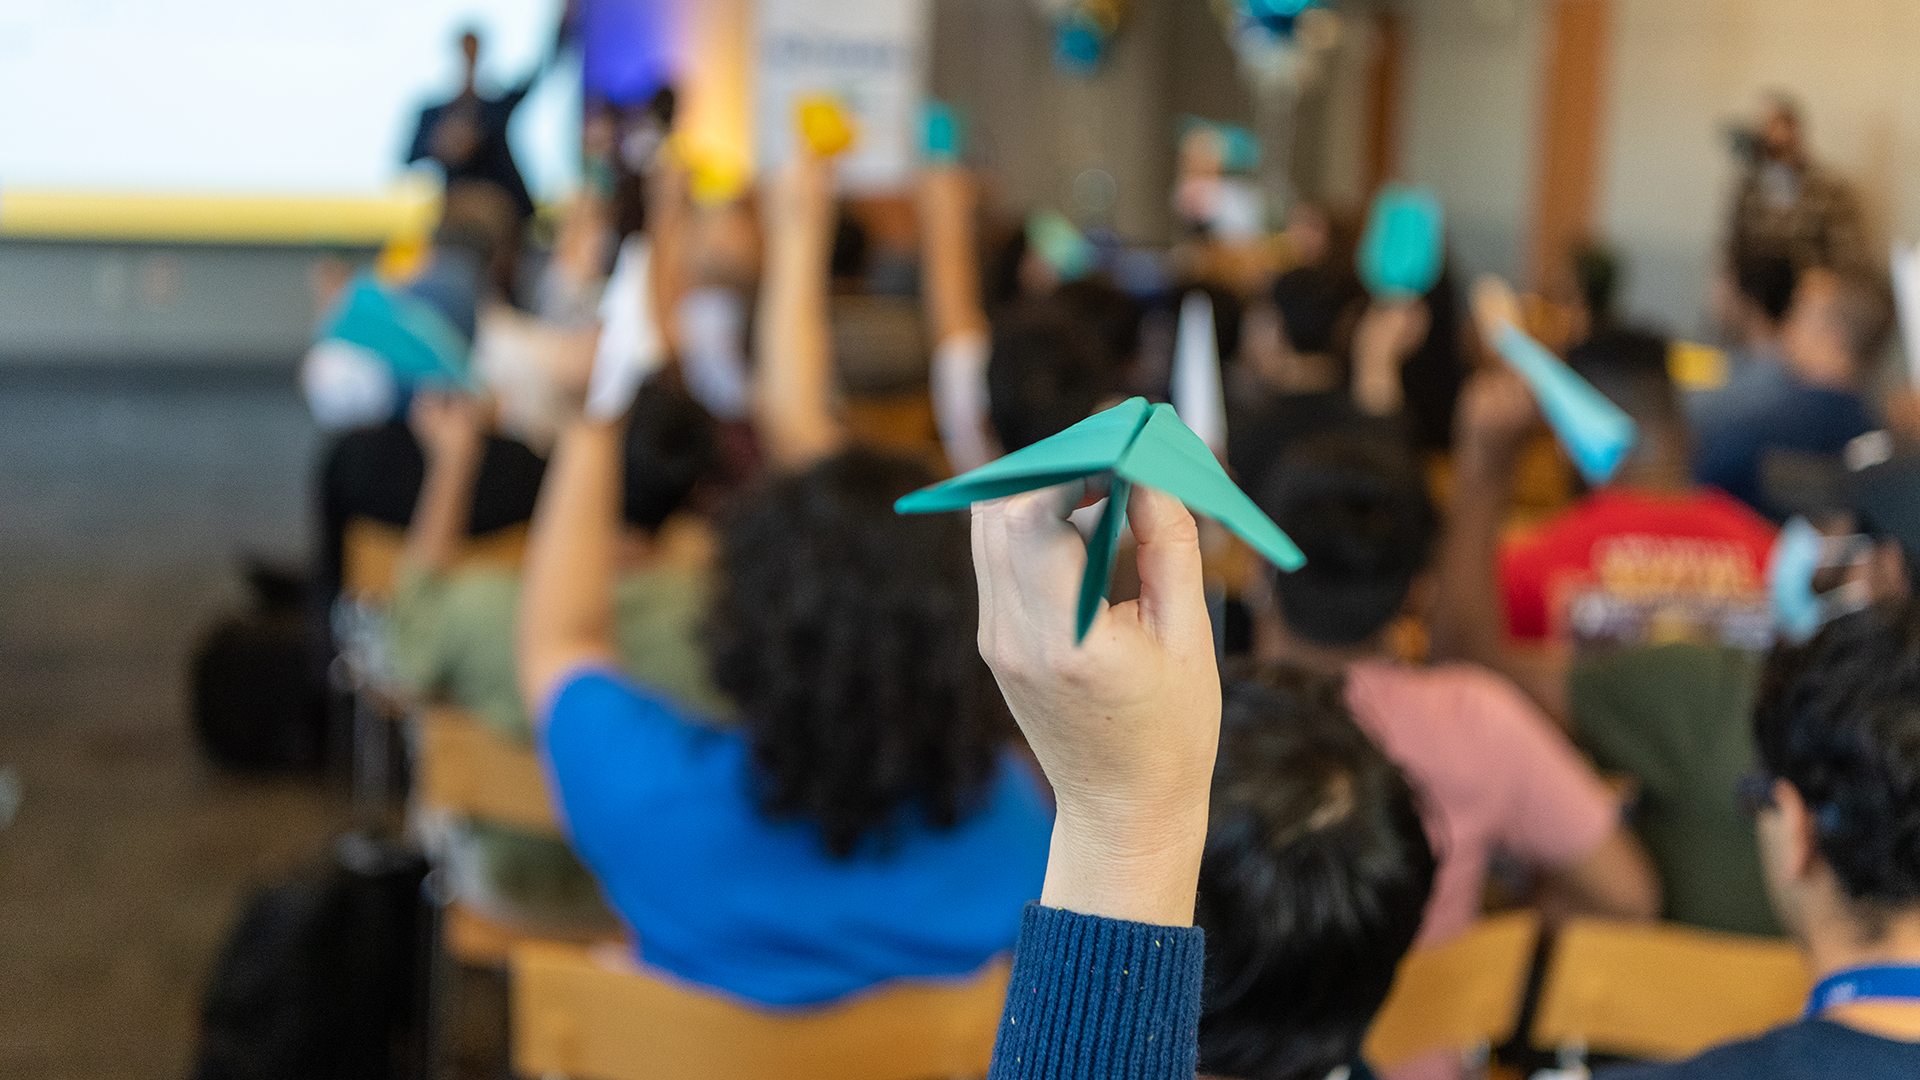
x=1678 y=718
x=451 y=638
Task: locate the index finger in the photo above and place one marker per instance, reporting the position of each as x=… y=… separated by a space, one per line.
x=1173 y=601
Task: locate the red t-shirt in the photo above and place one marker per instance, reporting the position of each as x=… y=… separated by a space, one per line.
x=1627 y=567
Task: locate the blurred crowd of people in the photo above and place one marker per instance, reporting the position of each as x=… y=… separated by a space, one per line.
x=787 y=773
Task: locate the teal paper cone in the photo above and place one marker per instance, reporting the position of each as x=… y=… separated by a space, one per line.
x=1594 y=431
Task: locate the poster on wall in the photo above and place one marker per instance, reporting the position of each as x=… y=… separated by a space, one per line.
x=869 y=55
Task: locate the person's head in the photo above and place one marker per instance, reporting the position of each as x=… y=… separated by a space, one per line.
x=845 y=633
x=1780 y=129
x=1107 y=312
x=1836 y=327
x=1050 y=368
x=1837 y=729
x=1311 y=303
x=1629 y=367
x=470 y=51
x=1313 y=885
x=1358 y=508
x=1596 y=278
x=671 y=445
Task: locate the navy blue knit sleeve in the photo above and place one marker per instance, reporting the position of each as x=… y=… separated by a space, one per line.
x=1094 y=997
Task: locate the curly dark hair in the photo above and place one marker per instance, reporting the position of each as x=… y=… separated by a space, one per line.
x=1314 y=881
x=1839 y=719
x=846 y=635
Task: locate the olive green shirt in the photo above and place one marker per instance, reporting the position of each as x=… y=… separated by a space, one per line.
x=451 y=637
x=1678 y=718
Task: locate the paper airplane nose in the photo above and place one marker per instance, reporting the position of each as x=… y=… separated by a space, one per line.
x=1594 y=431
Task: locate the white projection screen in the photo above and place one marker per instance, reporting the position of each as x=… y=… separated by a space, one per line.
x=273 y=105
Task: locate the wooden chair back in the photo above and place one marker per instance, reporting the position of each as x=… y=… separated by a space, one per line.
x=1664 y=991
x=1459 y=995
x=370 y=556
x=573 y=1016
x=467 y=771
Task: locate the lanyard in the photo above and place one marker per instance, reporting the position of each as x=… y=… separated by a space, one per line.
x=1865 y=984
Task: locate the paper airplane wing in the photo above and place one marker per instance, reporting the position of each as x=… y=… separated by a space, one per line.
x=1594 y=431
x=1140 y=444
x=416 y=341
x=942 y=134
x=1401 y=253
x=1088 y=447
x=1167 y=455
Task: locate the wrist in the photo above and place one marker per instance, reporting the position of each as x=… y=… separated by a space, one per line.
x=1136 y=863
x=462 y=455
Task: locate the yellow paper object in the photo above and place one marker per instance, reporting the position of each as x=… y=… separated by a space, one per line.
x=1693 y=366
x=824 y=124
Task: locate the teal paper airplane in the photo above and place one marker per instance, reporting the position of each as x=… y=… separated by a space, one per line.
x=1135 y=443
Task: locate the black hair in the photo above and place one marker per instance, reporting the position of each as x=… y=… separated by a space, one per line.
x=1863 y=304
x=1839 y=719
x=850 y=244
x=1107 y=312
x=1596 y=273
x=1048 y=371
x=1767 y=280
x=845 y=633
x=672 y=444
x=1357 y=506
x=1314 y=882
x=1312 y=301
x=1000 y=283
x=1629 y=366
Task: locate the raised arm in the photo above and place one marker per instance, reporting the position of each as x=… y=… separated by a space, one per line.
x=669 y=226
x=793 y=387
x=451 y=430
x=956 y=320
x=566 y=602
x=1387 y=336
x=1126 y=726
x=1496 y=415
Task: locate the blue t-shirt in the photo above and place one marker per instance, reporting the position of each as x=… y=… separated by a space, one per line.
x=1808 y=1050
x=1763 y=407
x=663 y=811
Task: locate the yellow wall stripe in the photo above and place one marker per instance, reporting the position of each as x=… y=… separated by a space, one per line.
x=70 y=215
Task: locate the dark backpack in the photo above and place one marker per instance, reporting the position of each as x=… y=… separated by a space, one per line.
x=320 y=979
x=256 y=702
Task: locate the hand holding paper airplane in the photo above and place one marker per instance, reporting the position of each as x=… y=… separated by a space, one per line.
x=1133 y=443
x=1595 y=432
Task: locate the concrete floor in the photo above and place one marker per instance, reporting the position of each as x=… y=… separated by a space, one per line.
x=125 y=504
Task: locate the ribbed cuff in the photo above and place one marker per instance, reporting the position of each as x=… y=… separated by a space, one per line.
x=1094 y=997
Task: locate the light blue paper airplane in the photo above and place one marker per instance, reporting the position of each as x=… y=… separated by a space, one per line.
x=1594 y=431
x=418 y=342
x=943 y=133
x=1239 y=150
x=1401 y=252
x=1135 y=443
x=1063 y=246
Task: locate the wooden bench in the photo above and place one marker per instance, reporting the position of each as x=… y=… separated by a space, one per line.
x=576 y=1017
x=1664 y=991
x=1464 y=994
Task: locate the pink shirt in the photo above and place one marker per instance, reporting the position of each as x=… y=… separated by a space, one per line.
x=1494 y=773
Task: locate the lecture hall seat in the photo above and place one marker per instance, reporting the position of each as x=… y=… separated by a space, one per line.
x=1663 y=991
x=577 y=1017
x=1460 y=996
